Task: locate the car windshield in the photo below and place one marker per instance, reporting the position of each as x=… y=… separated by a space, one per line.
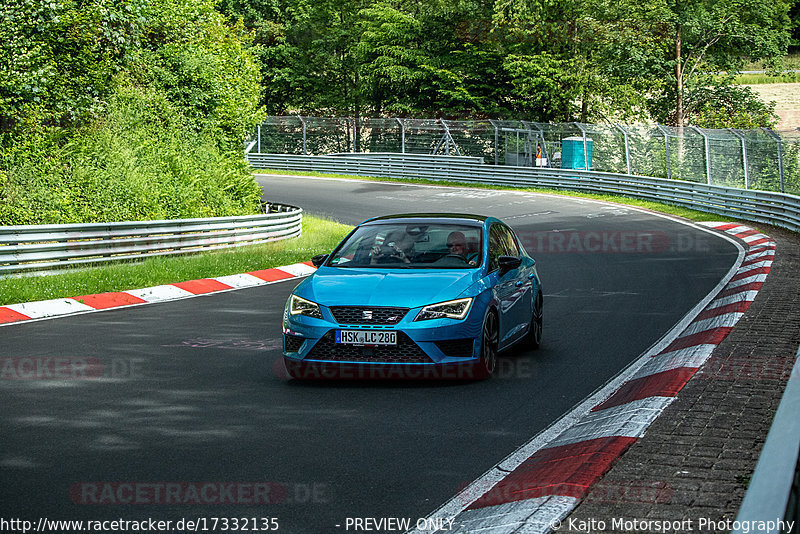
x=411 y=246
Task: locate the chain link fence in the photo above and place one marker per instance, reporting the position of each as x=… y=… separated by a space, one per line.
x=748 y=159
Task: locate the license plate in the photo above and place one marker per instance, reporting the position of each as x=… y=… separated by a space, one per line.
x=366 y=337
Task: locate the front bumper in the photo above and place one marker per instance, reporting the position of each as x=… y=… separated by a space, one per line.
x=434 y=347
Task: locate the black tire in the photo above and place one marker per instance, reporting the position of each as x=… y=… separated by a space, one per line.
x=489 y=341
x=534 y=338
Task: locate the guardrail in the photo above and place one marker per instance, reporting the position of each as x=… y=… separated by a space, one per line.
x=375 y=158
x=773 y=492
x=54 y=246
x=760 y=206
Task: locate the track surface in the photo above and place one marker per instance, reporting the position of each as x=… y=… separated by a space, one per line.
x=190 y=392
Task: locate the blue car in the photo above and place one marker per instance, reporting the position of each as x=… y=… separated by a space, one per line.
x=414 y=296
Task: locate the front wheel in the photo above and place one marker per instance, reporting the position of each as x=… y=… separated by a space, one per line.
x=489 y=341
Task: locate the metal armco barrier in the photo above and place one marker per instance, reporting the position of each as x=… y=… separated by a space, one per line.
x=774 y=490
x=52 y=246
x=760 y=206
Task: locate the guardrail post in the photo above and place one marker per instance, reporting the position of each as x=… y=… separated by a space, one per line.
x=627 y=149
x=707 y=151
x=259 y=139
x=745 y=166
x=779 y=141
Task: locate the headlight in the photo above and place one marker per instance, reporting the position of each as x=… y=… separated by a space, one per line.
x=301 y=306
x=452 y=309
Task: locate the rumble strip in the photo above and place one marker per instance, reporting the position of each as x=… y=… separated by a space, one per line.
x=47 y=309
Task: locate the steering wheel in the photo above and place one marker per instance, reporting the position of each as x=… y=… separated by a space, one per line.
x=459 y=256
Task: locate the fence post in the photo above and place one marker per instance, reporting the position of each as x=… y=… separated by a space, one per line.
x=779 y=141
x=585 y=152
x=305 y=151
x=402 y=135
x=496 y=141
x=666 y=149
x=356 y=144
x=745 y=166
x=707 y=151
x=449 y=139
x=627 y=149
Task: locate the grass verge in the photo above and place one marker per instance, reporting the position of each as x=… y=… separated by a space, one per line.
x=763 y=78
x=319 y=236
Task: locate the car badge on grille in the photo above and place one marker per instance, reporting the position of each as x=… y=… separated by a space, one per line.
x=366 y=314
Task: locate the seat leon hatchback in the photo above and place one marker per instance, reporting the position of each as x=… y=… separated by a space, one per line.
x=414 y=296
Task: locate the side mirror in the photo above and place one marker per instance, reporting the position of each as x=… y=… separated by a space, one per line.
x=319 y=259
x=508 y=263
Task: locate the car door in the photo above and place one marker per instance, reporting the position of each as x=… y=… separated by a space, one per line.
x=511 y=289
x=523 y=294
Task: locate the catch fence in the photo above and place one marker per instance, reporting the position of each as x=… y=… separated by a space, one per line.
x=747 y=159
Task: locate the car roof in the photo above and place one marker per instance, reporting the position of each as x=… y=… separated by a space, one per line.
x=429 y=218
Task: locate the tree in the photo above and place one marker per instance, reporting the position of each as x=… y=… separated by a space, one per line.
x=680 y=44
x=60 y=56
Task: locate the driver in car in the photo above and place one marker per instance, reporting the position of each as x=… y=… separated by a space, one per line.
x=457 y=245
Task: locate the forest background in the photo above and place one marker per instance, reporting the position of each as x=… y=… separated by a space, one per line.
x=138 y=109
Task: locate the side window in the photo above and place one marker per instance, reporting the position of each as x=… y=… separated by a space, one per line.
x=510 y=243
x=496 y=246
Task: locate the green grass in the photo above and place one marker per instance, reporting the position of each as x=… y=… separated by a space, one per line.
x=319 y=236
x=790 y=62
x=762 y=79
x=678 y=211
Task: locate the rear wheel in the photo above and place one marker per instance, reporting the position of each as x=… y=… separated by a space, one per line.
x=489 y=339
x=534 y=338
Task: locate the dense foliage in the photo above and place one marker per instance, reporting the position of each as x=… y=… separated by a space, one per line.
x=132 y=109
x=546 y=60
x=123 y=109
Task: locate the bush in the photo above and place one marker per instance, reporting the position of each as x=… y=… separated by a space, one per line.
x=123 y=110
x=141 y=162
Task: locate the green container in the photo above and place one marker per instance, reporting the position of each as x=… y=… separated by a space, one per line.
x=572 y=153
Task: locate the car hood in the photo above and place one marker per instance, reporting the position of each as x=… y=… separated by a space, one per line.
x=411 y=288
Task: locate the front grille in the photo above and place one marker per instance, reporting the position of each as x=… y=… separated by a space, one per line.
x=368 y=314
x=406 y=351
x=292 y=343
x=456 y=347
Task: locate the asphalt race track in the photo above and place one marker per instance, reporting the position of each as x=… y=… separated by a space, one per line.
x=186 y=403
